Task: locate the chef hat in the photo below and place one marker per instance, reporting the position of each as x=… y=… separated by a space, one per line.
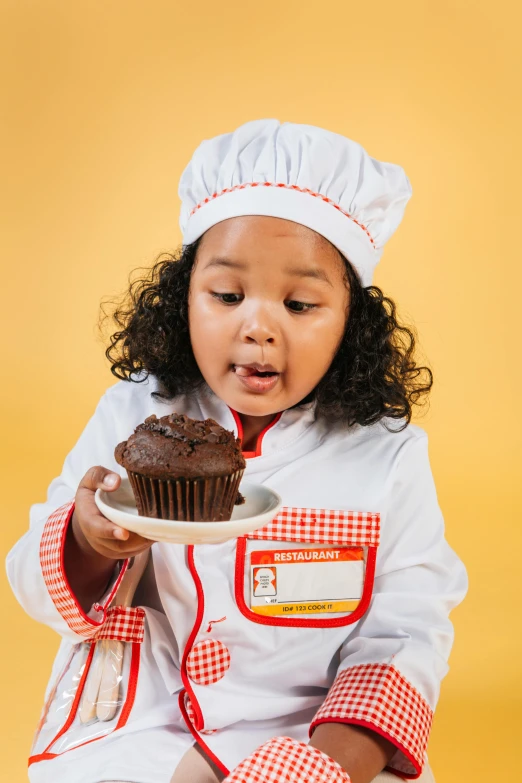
x=301 y=173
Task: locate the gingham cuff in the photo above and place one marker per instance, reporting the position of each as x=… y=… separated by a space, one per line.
x=284 y=760
x=51 y=560
x=377 y=696
x=125 y=623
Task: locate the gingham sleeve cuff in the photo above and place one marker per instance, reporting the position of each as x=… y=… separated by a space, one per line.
x=378 y=697
x=52 y=563
x=124 y=623
x=285 y=760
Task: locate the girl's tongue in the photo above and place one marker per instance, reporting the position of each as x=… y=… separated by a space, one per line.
x=256 y=380
x=247 y=371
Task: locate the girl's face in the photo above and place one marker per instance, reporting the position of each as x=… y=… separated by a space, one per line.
x=267 y=309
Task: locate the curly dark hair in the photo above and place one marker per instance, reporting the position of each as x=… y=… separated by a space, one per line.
x=373 y=374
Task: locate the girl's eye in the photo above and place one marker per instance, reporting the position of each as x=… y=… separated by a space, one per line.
x=293 y=305
x=299 y=307
x=228 y=298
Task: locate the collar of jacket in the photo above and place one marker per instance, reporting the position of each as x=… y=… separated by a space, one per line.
x=292 y=425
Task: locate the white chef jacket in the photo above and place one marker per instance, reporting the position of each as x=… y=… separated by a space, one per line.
x=203 y=659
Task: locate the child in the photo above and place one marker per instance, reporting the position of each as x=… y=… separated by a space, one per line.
x=266 y=322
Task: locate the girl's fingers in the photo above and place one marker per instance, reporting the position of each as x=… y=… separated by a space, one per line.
x=99 y=477
x=97 y=527
x=101 y=528
x=93 y=522
x=87 y=509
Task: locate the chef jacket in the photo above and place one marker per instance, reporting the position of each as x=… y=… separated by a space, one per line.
x=336 y=611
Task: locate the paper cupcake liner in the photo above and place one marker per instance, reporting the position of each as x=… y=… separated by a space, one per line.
x=186 y=500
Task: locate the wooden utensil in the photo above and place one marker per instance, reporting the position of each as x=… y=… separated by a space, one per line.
x=101 y=694
x=113 y=661
x=92 y=685
x=108 y=694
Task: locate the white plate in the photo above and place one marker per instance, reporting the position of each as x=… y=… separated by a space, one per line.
x=260 y=507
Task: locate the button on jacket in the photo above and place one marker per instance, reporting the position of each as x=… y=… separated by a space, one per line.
x=201 y=657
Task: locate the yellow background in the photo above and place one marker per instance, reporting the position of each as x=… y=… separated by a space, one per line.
x=103 y=105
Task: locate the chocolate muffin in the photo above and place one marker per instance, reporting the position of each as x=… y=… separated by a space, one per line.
x=184 y=469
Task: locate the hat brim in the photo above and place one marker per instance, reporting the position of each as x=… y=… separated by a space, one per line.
x=310 y=210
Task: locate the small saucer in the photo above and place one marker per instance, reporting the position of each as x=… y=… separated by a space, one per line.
x=260 y=507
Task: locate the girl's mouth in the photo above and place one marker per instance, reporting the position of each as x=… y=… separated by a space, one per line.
x=260 y=378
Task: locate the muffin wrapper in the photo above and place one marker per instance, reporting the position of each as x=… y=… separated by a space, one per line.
x=186 y=500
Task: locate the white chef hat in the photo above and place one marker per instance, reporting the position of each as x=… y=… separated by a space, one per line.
x=301 y=173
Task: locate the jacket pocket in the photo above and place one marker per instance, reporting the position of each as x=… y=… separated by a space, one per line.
x=309 y=567
x=94 y=690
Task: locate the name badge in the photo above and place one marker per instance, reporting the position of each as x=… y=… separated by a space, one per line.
x=310 y=580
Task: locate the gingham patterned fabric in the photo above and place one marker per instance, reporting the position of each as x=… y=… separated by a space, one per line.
x=126 y=623
x=376 y=694
x=192 y=716
x=51 y=561
x=283 y=760
x=322 y=526
x=208 y=662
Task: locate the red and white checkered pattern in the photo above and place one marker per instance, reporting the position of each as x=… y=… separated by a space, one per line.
x=322 y=526
x=283 y=760
x=376 y=694
x=191 y=715
x=126 y=623
x=208 y=662
x=51 y=560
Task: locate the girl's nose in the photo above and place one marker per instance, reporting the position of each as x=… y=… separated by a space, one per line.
x=258 y=327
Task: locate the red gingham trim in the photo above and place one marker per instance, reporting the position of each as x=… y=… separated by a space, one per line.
x=51 y=560
x=208 y=662
x=192 y=716
x=283 y=760
x=125 y=623
x=377 y=696
x=287 y=187
x=322 y=526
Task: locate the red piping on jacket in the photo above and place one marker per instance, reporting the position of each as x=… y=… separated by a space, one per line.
x=197 y=737
x=200 y=724
x=259 y=442
x=199 y=721
x=77 y=697
x=127 y=707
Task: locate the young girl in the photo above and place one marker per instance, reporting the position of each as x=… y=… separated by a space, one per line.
x=267 y=322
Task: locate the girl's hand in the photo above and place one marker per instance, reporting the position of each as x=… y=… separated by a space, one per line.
x=92 y=530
